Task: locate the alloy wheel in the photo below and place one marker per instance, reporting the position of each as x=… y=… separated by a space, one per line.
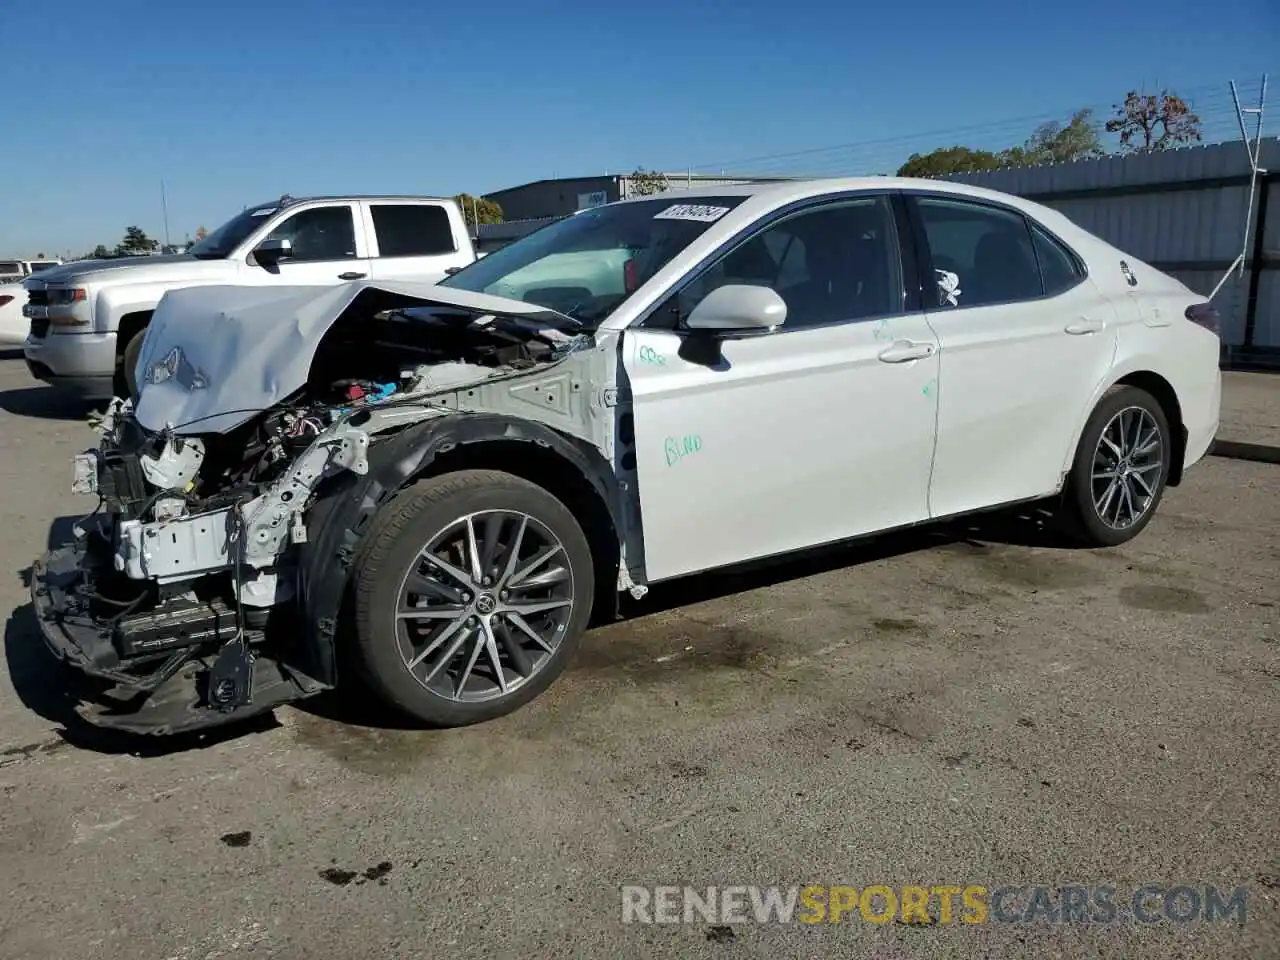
x=1127 y=465
x=484 y=605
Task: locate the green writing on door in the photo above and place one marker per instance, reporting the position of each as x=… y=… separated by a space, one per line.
x=677 y=448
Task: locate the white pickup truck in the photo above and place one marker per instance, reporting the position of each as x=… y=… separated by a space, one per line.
x=87 y=317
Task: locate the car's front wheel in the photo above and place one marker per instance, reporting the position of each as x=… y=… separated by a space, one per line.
x=471 y=593
x=1120 y=469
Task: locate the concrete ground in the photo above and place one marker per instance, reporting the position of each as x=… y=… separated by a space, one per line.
x=964 y=706
x=1251 y=408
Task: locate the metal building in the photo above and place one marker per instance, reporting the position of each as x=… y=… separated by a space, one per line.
x=558 y=198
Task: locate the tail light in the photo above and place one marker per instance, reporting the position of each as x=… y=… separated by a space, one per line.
x=5 y=299
x=629 y=276
x=1204 y=315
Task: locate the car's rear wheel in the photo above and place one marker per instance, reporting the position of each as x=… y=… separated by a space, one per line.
x=1120 y=469
x=471 y=593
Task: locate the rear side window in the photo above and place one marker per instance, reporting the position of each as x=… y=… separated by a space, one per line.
x=981 y=255
x=1058 y=268
x=412 y=230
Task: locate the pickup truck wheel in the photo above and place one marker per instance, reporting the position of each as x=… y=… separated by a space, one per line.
x=126 y=379
x=1120 y=469
x=472 y=591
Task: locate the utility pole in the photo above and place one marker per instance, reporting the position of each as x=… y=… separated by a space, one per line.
x=164 y=205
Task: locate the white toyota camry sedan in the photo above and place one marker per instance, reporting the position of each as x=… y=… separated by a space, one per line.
x=638 y=392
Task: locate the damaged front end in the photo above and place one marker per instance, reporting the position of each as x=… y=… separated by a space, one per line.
x=178 y=595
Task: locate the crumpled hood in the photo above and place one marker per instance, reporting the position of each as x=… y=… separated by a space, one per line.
x=231 y=352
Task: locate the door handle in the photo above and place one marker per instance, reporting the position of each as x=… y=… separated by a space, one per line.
x=901 y=351
x=1082 y=326
x=351 y=275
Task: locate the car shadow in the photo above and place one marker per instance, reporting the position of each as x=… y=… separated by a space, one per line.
x=1026 y=527
x=45 y=403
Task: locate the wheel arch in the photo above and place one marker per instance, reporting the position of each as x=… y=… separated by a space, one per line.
x=1164 y=393
x=569 y=469
x=1167 y=397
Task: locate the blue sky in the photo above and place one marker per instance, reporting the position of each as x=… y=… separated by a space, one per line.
x=235 y=102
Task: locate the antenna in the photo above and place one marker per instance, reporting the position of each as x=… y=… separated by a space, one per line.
x=1253 y=149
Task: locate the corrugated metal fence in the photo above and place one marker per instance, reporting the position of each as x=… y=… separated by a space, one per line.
x=1183 y=211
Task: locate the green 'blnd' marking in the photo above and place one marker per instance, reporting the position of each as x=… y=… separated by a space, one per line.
x=677 y=448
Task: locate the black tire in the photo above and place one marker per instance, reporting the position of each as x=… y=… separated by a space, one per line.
x=400 y=532
x=126 y=380
x=1083 y=518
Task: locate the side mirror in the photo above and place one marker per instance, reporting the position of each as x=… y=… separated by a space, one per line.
x=270 y=252
x=738 y=308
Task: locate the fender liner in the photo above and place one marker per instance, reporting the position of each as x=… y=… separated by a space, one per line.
x=339 y=519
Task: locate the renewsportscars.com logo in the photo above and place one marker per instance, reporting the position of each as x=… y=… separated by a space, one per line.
x=941 y=904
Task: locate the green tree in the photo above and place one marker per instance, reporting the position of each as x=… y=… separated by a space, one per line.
x=478 y=207
x=1052 y=142
x=134 y=242
x=945 y=160
x=1148 y=122
x=100 y=252
x=647 y=182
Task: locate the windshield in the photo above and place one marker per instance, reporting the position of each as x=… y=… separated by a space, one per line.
x=231 y=234
x=585 y=265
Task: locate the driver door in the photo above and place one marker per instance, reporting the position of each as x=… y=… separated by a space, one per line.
x=328 y=248
x=823 y=429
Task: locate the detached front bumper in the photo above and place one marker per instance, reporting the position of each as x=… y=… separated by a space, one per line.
x=163 y=692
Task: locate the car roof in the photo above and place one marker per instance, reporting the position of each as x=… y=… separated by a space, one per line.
x=335 y=198
x=790 y=190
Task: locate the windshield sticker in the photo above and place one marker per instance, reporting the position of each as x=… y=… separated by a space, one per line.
x=692 y=211
x=264 y=211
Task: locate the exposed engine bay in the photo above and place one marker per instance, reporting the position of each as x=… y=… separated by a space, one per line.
x=188 y=565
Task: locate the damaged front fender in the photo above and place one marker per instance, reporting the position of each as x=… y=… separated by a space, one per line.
x=341 y=518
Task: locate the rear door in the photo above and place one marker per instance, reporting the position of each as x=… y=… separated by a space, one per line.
x=414 y=240
x=1025 y=338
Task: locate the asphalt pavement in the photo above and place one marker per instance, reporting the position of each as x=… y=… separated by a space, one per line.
x=975 y=705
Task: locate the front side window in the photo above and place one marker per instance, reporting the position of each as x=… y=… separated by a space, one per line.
x=587 y=264
x=412 y=230
x=832 y=264
x=981 y=255
x=321 y=233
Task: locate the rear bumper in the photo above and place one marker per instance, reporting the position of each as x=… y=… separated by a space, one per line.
x=83 y=363
x=166 y=694
x=1202 y=418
